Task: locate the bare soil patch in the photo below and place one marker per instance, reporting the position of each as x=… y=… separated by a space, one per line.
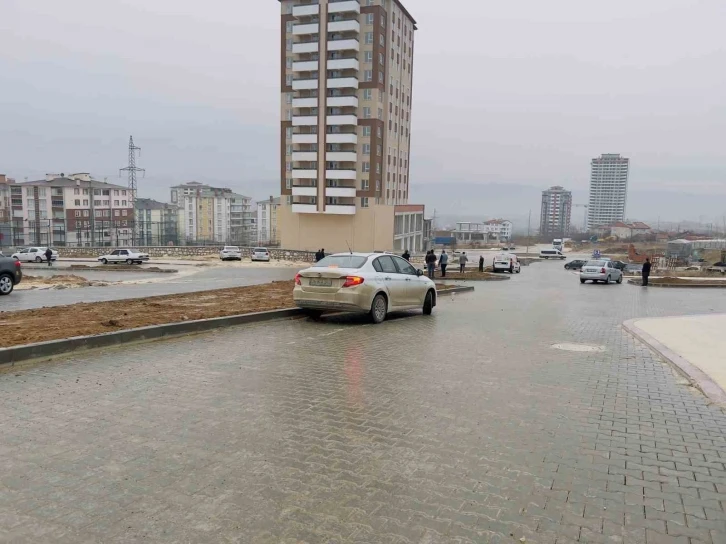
x=59 y=281
x=53 y=323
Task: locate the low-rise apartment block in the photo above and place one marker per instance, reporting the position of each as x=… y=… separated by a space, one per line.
x=268 y=233
x=156 y=223
x=494 y=230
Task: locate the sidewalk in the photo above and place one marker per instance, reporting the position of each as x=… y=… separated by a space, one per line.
x=694 y=344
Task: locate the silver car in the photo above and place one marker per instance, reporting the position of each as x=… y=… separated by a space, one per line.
x=600 y=270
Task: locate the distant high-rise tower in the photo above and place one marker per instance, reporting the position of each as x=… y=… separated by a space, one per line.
x=556 y=212
x=608 y=190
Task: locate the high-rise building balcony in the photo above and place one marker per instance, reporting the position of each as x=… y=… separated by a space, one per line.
x=351 y=25
x=341 y=102
x=342 y=120
x=340 y=209
x=342 y=64
x=304 y=173
x=306 y=29
x=340 y=138
x=304 y=120
x=344 y=6
x=305 y=102
x=341 y=174
x=305 y=10
x=304 y=138
x=344 y=44
x=304 y=84
x=304 y=208
x=308 y=190
x=304 y=156
x=305 y=47
x=342 y=83
x=341 y=156
x=305 y=66
x=347 y=192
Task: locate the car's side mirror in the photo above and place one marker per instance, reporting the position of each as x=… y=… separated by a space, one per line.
x=419 y=272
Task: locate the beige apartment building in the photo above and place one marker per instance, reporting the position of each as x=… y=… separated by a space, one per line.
x=346 y=78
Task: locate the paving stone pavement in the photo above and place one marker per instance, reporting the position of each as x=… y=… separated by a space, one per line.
x=465 y=426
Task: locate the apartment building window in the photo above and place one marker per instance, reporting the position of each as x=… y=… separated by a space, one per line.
x=288 y=80
x=86 y=213
x=364 y=185
x=288 y=27
x=370 y=2
x=366 y=149
x=288 y=115
x=369 y=38
x=378 y=168
x=288 y=150
x=381 y=77
x=379 y=130
x=382 y=39
x=380 y=113
x=117 y=213
x=288 y=166
x=370 y=18
x=288 y=63
x=366 y=131
x=288 y=44
x=367 y=94
x=115 y=202
x=76 y=191
x=379 y=150
x=381 y=59
x=288 y=183
x=368 y=56
x=364 y=202
x=288 y=132
x=368 y=75
x=77 y=202
x=366 y=166
x=288 y=98
x=366 y=112
x=78 y=213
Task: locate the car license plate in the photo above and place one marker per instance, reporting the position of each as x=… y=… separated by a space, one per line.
x=320 y=282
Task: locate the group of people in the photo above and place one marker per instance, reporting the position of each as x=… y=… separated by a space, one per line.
x=319 y=255
x=443 y=261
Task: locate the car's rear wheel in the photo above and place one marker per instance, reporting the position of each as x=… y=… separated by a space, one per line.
x=428 y=306
x=6 y=284
x=104 y=261
x=38 y=259
x=379 y=308
x=129 y=261
x=314 y=314
x=582 y=281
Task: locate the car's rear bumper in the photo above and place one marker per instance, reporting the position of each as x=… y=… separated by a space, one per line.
x=502 y=266
x=592 y=276
x=261 y=259
x=350 y=301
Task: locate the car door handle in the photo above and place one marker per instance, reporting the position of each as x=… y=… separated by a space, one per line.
x=387 y=278
x=408 y=279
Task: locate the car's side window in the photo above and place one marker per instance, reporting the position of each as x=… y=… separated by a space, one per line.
x=387 y=265
x=114 y=252
x=404 y=267
x=377 y=266
x=123 y=252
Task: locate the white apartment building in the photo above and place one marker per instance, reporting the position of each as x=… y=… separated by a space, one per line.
x=71 y=210
x=346 y=78
x=556 y=212
x=494 y=230
x=608 y=190
x=267 y=225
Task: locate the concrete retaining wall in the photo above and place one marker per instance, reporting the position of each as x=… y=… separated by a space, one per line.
x=180 y=252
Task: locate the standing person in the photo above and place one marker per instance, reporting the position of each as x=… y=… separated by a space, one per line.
x=322 y=254
x=443 y=262
x=406 y=255
x=481 y=263
x=463 y=259
x=646 y=271
x=49 y=256
x=317 y=256
x=431 y=263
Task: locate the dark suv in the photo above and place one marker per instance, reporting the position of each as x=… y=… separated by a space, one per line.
x=577 y=264
x=10 y=275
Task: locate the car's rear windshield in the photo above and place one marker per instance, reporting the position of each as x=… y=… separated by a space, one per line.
x=231 y=248
x=342 y=261
x=595 y=263
x=550 y=251
x=260 y=249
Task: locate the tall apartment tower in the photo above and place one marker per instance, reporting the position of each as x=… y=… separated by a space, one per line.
x=556 y=212
x=608 y=190
x=346 y=78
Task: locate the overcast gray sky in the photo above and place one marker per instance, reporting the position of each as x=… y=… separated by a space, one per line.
x=521 y=92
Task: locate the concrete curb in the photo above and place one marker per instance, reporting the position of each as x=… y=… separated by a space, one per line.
x=456 y=289
x=697 y=377
x=15 y=354
x=717 y=285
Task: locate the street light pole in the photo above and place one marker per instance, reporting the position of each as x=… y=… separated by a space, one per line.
x=529 y=224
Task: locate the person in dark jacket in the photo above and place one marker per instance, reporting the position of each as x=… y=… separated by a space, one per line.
x=481 y=263
x=49 y=256
x=431 y=263
x=646 y=272
x=406 y=255
x=443 y=262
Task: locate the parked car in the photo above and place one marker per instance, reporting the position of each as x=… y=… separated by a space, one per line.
x=620 y=265
x=34 y=254
x=129 y=256
x=260 y=254
x=551 y=254
x=717 y=267
x=372 y=283
x=600 y=270
x=10 y=274
x=230 y=253
x=575 y=265
x=634 y=269
x=506 y=262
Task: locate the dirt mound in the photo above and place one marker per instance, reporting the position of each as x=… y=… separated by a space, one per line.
x=60 y=281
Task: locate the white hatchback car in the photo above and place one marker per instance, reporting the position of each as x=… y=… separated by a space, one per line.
x=34 y=254
x=260 y=254
x=374 y=283
x=128 y=256
x=230 y=253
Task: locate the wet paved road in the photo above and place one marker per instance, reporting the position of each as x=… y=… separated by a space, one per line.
x=461 y=427
x=205 y=279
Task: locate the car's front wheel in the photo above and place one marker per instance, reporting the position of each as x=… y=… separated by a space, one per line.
x=104 y=261
x=6 y=284
x=582 y=281
x=428 y=306
x=379 y=308
x=129 y=261
x=619 y=280
x=39 y=259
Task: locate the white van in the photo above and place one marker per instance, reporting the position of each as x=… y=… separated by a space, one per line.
x=506 y=262
x=551 y=254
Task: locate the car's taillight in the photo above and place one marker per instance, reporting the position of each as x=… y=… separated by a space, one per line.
x=352 y=281
x=297 y=279
x=602 y=271
x=17 y=264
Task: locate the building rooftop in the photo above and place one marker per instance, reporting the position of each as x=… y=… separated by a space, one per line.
x=150 y=204
x=73 y=182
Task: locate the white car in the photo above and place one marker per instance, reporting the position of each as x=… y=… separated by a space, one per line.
x=373 y=283
x=600 y=270
x=34 y=254
x=260 y=254
x=230 y=253
x=507 y=262
x=128 y=256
